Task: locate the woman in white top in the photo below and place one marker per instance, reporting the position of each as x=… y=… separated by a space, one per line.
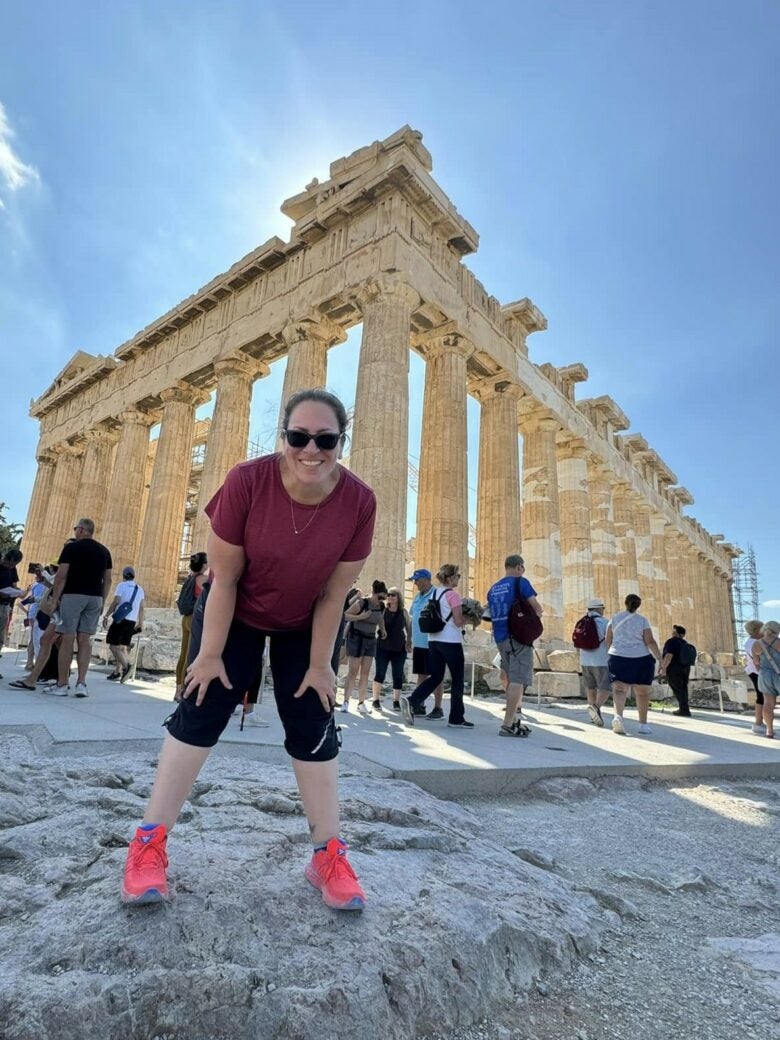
x=445 y=650
x=755 y=629
x=630 y=652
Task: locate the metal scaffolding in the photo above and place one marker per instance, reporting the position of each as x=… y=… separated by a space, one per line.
x=745 y=590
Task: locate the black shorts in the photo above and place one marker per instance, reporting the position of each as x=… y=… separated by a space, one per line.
x=420 y=664
x=309 y=730
x=360 y=645
x=120 y=633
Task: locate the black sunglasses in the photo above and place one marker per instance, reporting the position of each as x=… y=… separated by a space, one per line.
x=324 y=441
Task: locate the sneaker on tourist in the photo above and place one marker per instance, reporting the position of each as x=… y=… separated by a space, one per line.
x=145 y=880
x=644 y=728
x=344 y=706
x=682 y=714
x=759 y=729
x=461 y=725
x=81 y=690
x=595 y=715
x=376 y=705
x=55 y=690
x=125 y=672
x=406 y=710
x=513 y=731
x=396 y=706
x=113 y=676
x=363 y=708
x=435 y=714
x=617 y=725
x=254 y=718
x=330 y=872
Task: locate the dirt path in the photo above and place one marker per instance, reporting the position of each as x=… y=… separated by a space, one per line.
x=694 y=872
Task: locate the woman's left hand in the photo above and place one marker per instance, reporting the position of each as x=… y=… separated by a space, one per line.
x=323 y=682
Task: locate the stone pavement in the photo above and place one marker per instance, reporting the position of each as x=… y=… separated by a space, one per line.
x=446 y=762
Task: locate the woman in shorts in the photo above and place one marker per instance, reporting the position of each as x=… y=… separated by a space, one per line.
x=631 y=655
x=393 y=649
x=290 y=533
x=366 y=619
x=766 y=658
x=754 y=630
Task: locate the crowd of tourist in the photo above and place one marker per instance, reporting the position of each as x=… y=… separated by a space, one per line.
x=297 y=609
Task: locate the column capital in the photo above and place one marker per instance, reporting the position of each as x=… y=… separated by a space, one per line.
x=313 y=325
x=567 y=446
x=46 y=457
x=444 y=339
x=495 y=387
x=73 y=450
x=186 y=393
x=242 y=365
x=138 y=417
x=382 y=285
x=533 y=416
x=100 y=435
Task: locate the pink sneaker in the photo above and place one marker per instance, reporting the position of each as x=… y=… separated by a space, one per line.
x=145 y=880
x=330 y=872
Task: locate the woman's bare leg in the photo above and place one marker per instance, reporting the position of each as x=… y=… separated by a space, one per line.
x=177 y=770
x=318 y=783
x=642 y=694
x=365 y=668
x=353 y=664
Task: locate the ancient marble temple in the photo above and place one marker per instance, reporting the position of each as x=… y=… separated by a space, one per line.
x=593 y=509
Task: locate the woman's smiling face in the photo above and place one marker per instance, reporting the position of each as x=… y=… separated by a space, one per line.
x=310 y=464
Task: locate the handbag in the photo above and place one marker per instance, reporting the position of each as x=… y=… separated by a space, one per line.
x=124 y=609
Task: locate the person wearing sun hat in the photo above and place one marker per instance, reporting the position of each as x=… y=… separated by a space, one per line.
x=594 y=664
x=422 y=579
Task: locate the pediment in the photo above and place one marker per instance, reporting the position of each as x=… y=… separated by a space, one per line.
x=78 y=364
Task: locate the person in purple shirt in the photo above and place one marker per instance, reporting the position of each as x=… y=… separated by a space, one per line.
x=517 y=660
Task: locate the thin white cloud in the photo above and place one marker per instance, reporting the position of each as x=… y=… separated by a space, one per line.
x=14 y=173
x=771 y=603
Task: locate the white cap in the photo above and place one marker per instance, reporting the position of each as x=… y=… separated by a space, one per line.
x=595 y=604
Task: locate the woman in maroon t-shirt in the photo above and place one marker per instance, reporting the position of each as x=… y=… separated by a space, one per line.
x=289 y=535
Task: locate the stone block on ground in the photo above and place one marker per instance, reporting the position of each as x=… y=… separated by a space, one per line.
x=563 y=660
x=558 y=685
x=245 y=948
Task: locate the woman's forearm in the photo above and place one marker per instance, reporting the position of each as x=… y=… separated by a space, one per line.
x=325 y=625
x=219 y=610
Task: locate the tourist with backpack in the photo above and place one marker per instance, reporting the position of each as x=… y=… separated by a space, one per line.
x=631 y=652
x=514 y=612
x=679 y=657
x=188 y=597
x=442 y=619
x=590 y=638
x=366 y=618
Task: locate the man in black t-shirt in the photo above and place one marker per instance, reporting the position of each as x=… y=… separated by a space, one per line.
x=80 y=591
x=9 y=577
x=676 y=672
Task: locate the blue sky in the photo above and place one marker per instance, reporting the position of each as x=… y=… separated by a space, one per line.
x=619 y=160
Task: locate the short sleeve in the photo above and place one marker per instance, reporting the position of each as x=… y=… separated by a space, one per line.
x=109 y=561
x=645 y=624
x=66 y=556
x=360 y=544
x=453 y=597
x=228 y=510
x=668 y=648
x=526 y=588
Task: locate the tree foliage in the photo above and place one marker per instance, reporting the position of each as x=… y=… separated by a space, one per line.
x=10 y=534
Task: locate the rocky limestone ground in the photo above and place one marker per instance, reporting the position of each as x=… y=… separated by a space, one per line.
x=458 y=926
x=579 y=911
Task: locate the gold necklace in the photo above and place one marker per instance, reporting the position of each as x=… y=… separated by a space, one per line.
x=311 y=519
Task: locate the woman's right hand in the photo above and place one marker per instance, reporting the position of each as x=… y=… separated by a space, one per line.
x=201 y=673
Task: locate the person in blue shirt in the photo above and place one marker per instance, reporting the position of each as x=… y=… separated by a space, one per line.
x=420 y=662
x=517 y=660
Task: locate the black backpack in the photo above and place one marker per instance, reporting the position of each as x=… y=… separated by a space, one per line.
x=186 y=600
x=431 y=619
x=688 y=654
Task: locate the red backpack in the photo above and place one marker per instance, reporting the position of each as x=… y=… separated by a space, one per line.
x=586 y=634
x=525 y=625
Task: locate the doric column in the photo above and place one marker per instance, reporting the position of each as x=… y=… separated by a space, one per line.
x=602 y=535
x=643 y=542
x=694 y=625
x=35 y=524
x=228 y=433
x=380 y=438
x=721 y=614
x=442 y=495
x=701 y=603
x=308 y=339
x=124 y=504
x=498 y=482
x=541 y=516
x=92 y=497
x=576 y=552
x=676 y=571
x=628 y=580
x=61 y=511
x=662 y=587
x=158 y=562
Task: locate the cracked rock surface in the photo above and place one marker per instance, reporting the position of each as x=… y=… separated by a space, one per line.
x=458 y=925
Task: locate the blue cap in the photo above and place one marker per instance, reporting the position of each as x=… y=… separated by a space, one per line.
x=420 y=573
x=128 y=572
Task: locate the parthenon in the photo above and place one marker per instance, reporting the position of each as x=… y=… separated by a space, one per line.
x=593 y=509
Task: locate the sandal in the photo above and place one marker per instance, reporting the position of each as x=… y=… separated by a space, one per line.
x=20 y=684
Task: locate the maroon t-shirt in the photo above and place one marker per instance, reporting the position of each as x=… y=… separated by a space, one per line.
x=285 y=572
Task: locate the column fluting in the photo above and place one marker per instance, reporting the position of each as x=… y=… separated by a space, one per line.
x=61 y=512
x=124 y=507
x=92 y=497
x=575 y=520
x=602 y=535
x=36 y=521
